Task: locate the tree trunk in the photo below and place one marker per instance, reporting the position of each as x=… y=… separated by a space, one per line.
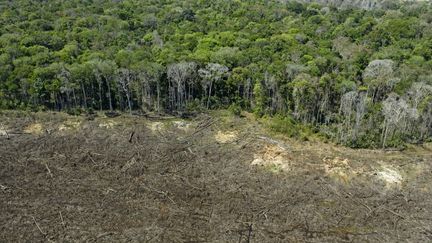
x=209 y=94
x=109 y=94
x=385 y=134
x=84 y=95
x=129 y=102
x=158 y=96
x=74 y=97
x=100 y=94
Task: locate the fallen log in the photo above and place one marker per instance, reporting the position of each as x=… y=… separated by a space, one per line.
x=112 y=114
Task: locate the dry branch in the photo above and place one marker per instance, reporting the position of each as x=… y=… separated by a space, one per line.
x=37 y=225
x=48 y=170
x=131 y=136
x=61 y=218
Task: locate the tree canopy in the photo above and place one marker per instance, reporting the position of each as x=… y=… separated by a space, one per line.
x=362 y=78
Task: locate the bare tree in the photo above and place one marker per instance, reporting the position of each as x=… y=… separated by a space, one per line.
x=397 y=115
x=67 y=87
x=426 y=121
x=346 y=109
x=144 y=90
x=104 y=71
x=352 y=108
x=360 y=112
x=304 y=95
x=124 y=80
x=212 y=73
x=276 y=100
x=179 y=74
x=418 y=92
x=380 y=77
x=147 y=86
x=419 y=96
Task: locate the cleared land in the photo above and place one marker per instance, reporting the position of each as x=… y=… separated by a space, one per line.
x=208 y=179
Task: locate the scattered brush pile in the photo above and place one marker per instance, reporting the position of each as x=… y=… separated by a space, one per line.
x=191 y=181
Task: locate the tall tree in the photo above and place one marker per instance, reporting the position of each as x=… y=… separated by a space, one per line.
x=212 y=73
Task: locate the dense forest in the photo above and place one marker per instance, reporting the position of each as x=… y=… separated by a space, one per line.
x=362 y=78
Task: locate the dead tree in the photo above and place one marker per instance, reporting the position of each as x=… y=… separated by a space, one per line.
x=124 y=80
x=397 y=115
x=352 y=108
x=179 y=74
x=212 y=73
x=380 y=77
x=420 y=97
x=104 y=71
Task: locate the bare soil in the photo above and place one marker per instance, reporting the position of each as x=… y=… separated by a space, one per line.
x=209 y=179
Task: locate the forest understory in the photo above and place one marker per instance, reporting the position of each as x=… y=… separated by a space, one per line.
x=211 y=178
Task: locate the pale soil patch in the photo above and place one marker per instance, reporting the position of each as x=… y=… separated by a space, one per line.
x=339 y=169
x=155 y=126
x=35 y=128
x=3 y=131
x=108 y=124
x=273 y=157
x=69 y=126
x=160 y=188
x=182 y=125
x=390 y=176
x=226 y=137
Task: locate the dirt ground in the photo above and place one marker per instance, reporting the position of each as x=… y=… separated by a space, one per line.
x=208 y=179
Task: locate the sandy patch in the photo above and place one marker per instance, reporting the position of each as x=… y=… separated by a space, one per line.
x=155 y=126
x=108 y=124
x=182 y=125
x=226 y=137
x=390 y=176
x=273 y=157
x=338 y=169
x=69 y=125
x=3 y=132
x=341 y=169
x=35 y=129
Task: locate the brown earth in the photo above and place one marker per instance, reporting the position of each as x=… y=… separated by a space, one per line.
x=210 y=179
